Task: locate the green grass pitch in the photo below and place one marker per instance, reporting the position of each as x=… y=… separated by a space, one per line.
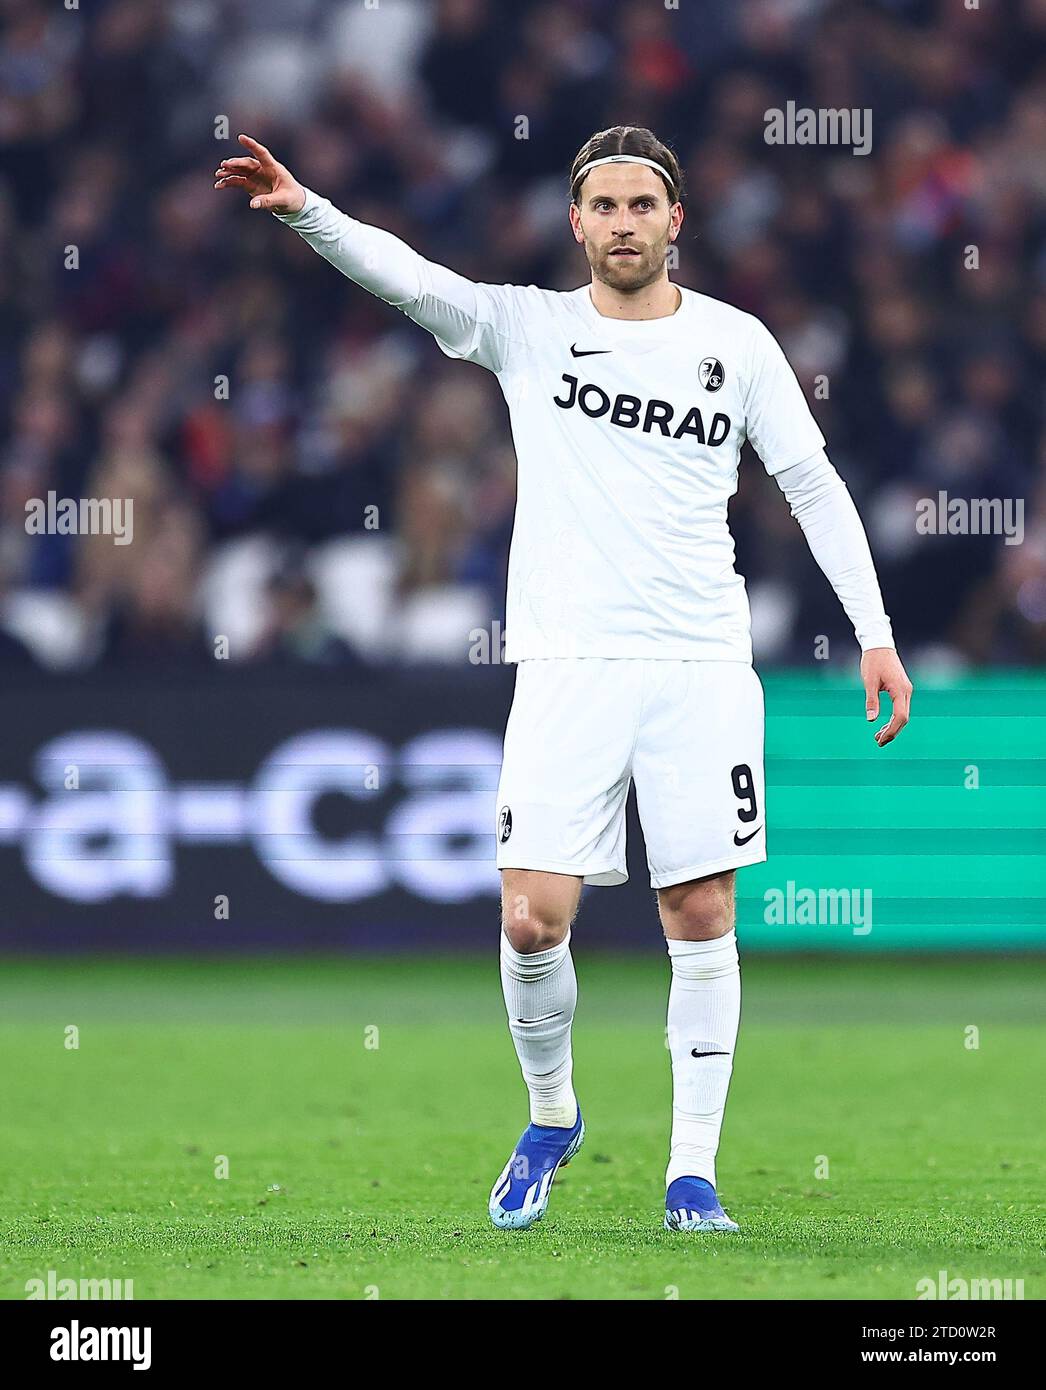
x=358 y=1170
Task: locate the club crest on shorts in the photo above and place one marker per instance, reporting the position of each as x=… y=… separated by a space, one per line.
x=710 y=374
x=504 y=824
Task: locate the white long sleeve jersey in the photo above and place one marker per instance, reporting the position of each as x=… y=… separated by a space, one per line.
x=627 y=436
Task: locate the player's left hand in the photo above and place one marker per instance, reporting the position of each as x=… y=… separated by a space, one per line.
x=881 y=669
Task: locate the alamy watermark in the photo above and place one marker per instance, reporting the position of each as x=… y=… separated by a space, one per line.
x=819 y=907
x=802 y=125
x=78 y=1342
x=54 y=1288
x=81 y=516
x=971 y=516
x=972 y=1289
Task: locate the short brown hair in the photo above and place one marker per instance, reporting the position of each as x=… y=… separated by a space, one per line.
x=628 y=139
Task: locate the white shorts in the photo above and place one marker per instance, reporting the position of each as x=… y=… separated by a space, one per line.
x=689 y=732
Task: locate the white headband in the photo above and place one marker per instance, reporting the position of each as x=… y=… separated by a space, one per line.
x=624 y=159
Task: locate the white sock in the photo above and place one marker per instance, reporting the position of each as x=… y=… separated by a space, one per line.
x=704 y=1009
x=540 y=996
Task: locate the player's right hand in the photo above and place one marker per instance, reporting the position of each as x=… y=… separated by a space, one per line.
x=271 y=185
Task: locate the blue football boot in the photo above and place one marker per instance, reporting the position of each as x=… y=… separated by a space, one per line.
x=519 y=1197
x=691 y=1205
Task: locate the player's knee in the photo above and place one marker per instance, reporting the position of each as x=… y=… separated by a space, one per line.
x=698 y=911
x=537 y=909
x=534 y=931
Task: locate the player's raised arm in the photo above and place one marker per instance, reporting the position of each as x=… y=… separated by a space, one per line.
x=460 y=314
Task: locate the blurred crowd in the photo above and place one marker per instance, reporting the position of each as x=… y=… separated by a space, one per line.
x=314 y=483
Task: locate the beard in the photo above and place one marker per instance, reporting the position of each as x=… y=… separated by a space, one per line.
x=628 y=273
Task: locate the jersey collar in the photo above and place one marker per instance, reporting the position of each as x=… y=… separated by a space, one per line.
x=634 y=328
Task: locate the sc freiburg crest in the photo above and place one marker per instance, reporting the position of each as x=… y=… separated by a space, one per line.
x=710 y=373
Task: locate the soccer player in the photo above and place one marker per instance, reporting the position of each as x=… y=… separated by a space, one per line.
x=629 y=399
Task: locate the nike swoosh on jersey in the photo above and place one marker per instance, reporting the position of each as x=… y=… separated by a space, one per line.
x=744 y=839
x=588 y=352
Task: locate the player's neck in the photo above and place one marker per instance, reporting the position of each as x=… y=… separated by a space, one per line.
x=658 y=300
